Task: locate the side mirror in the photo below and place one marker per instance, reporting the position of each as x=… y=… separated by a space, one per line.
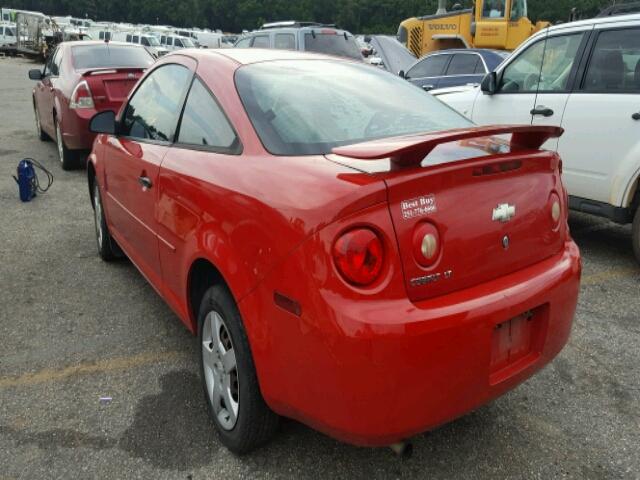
x=35 y=74
x=402 y=74
x=489 y=83
x=103 y=122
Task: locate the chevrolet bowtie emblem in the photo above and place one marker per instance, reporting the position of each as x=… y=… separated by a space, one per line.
x=503 y=212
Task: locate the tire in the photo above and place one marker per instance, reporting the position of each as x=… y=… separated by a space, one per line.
x=241 y=417
x=635 y=234
x=41 y=135
x=68 y=158
x=108 y=249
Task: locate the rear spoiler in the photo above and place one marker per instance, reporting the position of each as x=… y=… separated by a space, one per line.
x=107 y=70
x=410 y=150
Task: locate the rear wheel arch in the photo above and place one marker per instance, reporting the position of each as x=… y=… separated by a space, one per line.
x=203 y=274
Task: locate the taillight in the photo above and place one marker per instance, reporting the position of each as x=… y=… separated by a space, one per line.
x=426 y=244
x=555 y=210
x=359 y=255
x=81 y=96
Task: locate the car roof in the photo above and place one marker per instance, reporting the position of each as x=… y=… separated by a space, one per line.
x=597 y=21
x=246 y=56
x=74 y=43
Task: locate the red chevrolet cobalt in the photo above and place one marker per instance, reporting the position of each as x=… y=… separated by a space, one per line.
x=80 y=79
x=351 y=252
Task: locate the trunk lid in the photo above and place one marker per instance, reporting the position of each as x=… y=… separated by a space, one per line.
x=110 y=87
x=490 y=202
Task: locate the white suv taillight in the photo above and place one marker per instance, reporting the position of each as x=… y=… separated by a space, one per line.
x=81 y=96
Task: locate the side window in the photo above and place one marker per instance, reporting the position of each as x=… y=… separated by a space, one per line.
x=429 y=67
x=244 y=43
x=154 y=108
x=518 y=10
x=52 y=69
x=544 y=68
x=128 y=39
x=615 y=62
x=101 y=36
x=494 y=8
x=203 y=122
x=260 y=41
x=144 y=41
x=285 y=41
x=463 y=64
x=136 y=39
x=480 y=70
x=178 y=43
x=163 y=40
x=169 y=41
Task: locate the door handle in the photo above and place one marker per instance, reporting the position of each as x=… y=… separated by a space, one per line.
x=427 y=87
x=636 y=116
x=541 y=110
x=145 y=182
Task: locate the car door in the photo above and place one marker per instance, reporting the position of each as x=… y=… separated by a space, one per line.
x=132 y=161
x=534 y=85
x=426 y=72
x=600 y=148
x=45 y=92
x=190 y=192
x=464 y=68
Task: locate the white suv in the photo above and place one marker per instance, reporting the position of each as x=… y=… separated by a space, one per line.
x=585 y=77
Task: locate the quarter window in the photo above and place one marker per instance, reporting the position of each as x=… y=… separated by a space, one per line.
x=463 y=64
x=260 y=41
x=243 y=43
x=285 y=41
x=545 y=66
x=203 y=122
x=615 y=63
x=153 y=111
x=429 y=67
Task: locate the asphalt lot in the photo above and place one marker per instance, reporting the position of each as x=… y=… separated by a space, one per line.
x=74 y=329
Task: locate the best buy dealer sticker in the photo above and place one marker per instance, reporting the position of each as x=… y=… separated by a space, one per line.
x=418 y=207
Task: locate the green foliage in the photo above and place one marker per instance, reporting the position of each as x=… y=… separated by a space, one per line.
x=361 y=16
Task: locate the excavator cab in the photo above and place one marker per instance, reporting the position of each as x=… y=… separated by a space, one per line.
x=497 y=24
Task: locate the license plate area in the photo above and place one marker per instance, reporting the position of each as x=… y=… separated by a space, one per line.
x=517 y=343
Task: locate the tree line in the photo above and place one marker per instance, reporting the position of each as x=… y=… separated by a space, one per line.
x=358 y=16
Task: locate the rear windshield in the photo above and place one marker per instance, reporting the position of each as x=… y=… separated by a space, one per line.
x=309 y=107
x=332 y=44
x=110 y=56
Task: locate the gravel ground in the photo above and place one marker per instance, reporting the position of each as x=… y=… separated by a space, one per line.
x=75 y=329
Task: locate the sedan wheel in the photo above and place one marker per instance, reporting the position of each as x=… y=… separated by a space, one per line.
x=41 y=135
x=107 y=248
x=220 y=370
x=68 y=158
x=241 y=416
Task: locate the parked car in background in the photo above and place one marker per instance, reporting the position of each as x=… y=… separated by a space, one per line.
x=175 y=42
x=8 y=34
x=210 y=39
x=350 y=252
x=148 y=41
x=304 y=36
x=450 y=68
x=80 y=79
x=585 y=77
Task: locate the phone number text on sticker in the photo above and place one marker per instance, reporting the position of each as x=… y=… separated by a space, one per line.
x=419 y=206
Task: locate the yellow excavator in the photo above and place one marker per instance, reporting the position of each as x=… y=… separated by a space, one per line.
x=497 y=24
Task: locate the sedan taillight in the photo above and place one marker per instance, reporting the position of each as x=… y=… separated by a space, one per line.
x=81 y=96
x=359 y=255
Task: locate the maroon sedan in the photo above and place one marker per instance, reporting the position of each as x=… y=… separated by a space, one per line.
x=79 y=80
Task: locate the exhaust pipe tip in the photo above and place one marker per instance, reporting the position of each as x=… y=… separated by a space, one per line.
x=402 y=449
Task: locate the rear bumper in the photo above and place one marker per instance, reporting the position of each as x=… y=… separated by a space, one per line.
x=75 y=129
x=382 y=371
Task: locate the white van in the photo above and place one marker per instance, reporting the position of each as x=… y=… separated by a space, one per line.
x=7 y=34
x=148 y=41
x=210 y=40
x=175 y=42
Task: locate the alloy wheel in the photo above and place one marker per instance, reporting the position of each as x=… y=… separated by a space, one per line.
x=220 y=370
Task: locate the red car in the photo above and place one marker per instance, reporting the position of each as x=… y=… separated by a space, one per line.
x=80 y=79
x=351 y=252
